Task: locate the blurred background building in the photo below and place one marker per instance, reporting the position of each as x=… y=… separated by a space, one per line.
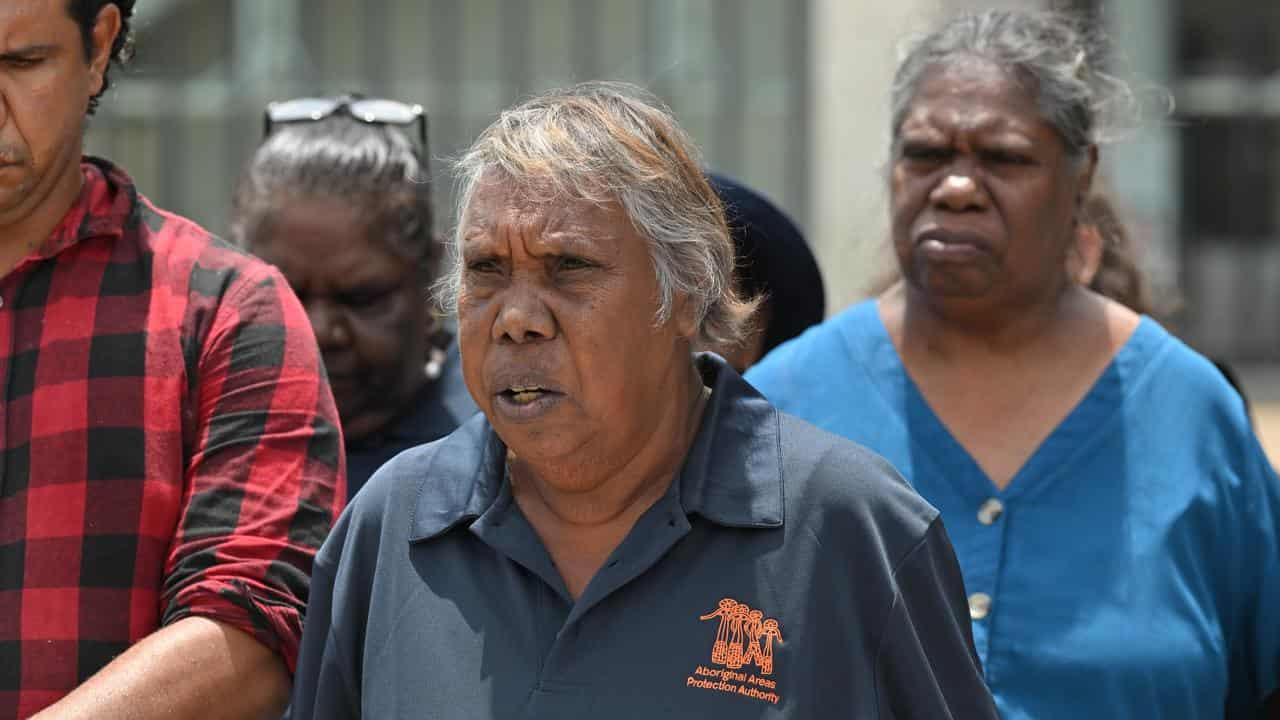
x=789 y=95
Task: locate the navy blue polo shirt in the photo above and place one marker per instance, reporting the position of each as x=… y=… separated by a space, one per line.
x=786 y=573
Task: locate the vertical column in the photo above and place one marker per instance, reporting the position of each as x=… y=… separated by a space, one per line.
x=852 y=57
x=1144 y=168
x=267 y=44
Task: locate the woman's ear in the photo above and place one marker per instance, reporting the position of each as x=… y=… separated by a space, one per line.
x=684 y=318
x=1084 y=182
x=1085 y=256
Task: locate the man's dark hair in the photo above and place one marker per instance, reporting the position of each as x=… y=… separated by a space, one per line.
x=85 y=13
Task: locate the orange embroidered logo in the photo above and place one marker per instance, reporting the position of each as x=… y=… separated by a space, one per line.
x=744 y=638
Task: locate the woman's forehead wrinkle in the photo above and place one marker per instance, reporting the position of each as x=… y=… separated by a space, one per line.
x=938 y=117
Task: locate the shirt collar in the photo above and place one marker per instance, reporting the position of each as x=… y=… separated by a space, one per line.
x=731 y=476
x=733 y=473
x=106 y=207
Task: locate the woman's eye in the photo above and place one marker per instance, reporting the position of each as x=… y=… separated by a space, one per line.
x=925 y=153
x=365 y=298
x=1005 y=157
x=573 y=263
x=483 y=266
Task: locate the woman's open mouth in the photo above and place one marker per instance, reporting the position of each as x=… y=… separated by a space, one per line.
x=525 y=394
x=526 y=402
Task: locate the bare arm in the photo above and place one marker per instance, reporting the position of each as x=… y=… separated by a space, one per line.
x=194 y=668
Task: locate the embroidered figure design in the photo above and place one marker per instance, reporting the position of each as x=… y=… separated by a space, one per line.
x=720 y=650
x=751 y=628
x=770 y=631
x=739 y=614
x=743 y=636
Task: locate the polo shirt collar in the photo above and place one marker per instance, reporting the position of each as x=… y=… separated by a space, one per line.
x=732 y=474
x=464 y=479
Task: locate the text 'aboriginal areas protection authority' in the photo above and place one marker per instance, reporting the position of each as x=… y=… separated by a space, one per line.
x=743 y=650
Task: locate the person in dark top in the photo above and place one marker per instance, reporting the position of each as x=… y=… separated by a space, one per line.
x=773 y=263
x=338 y=198
x=628 y=529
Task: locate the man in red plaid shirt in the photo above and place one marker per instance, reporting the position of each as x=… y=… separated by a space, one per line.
x=170 y=457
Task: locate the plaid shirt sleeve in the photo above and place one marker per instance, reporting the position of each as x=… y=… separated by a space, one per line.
x=264 y=477
x=169 y=446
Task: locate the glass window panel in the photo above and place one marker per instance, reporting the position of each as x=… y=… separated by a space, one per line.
x=464 y=60
x=1229 y=177
x=1229 y=37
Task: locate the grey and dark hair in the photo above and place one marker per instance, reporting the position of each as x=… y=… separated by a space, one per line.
x=374 y=168
x=614 y=143
x=1057 y=58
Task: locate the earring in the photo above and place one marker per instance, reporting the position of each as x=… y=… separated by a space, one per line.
x=434 y=367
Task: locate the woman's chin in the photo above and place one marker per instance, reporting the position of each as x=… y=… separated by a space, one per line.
x=953 y=282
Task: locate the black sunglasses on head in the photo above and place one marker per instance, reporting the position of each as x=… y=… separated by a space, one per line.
x=376 y=111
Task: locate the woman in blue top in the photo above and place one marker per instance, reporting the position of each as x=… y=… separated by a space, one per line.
x=1114 y=516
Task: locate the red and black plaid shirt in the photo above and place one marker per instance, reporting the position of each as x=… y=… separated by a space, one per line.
x=170 y=446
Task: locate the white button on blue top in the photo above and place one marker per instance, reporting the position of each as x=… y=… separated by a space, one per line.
x=990 y=511
x=979 y=606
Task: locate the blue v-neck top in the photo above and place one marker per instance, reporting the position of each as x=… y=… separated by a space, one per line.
x=1129 y=570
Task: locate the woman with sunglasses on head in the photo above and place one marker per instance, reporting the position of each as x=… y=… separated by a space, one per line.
x=337 y=197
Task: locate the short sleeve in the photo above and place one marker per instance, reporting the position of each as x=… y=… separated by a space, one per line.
x=926 y=666
x=1255 y=673
x=264 y=478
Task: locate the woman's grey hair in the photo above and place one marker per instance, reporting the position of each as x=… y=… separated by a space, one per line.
x=613 y=143
x=374 y=168
x=1057 y=58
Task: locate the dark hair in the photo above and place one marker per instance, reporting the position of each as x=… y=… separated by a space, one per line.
x=772 y=262
x=1059 y=60
x=1118 y=277
x=375 y=168
x=85 y=14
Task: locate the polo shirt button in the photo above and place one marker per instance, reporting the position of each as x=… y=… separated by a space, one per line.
x=979 y=606
x=990 y=511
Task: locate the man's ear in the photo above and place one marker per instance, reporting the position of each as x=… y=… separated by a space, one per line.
x=105 y=29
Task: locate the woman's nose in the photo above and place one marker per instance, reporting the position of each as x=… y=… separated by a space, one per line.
x=523 y=317
x=328 y=324
x=958 y=191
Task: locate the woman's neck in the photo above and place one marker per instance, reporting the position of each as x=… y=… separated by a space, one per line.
x=618 y=490
x=580 y=530
x=920 y=326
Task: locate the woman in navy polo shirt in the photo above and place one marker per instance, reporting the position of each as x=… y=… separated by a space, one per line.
x=1113 y=513
x=628 y=529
